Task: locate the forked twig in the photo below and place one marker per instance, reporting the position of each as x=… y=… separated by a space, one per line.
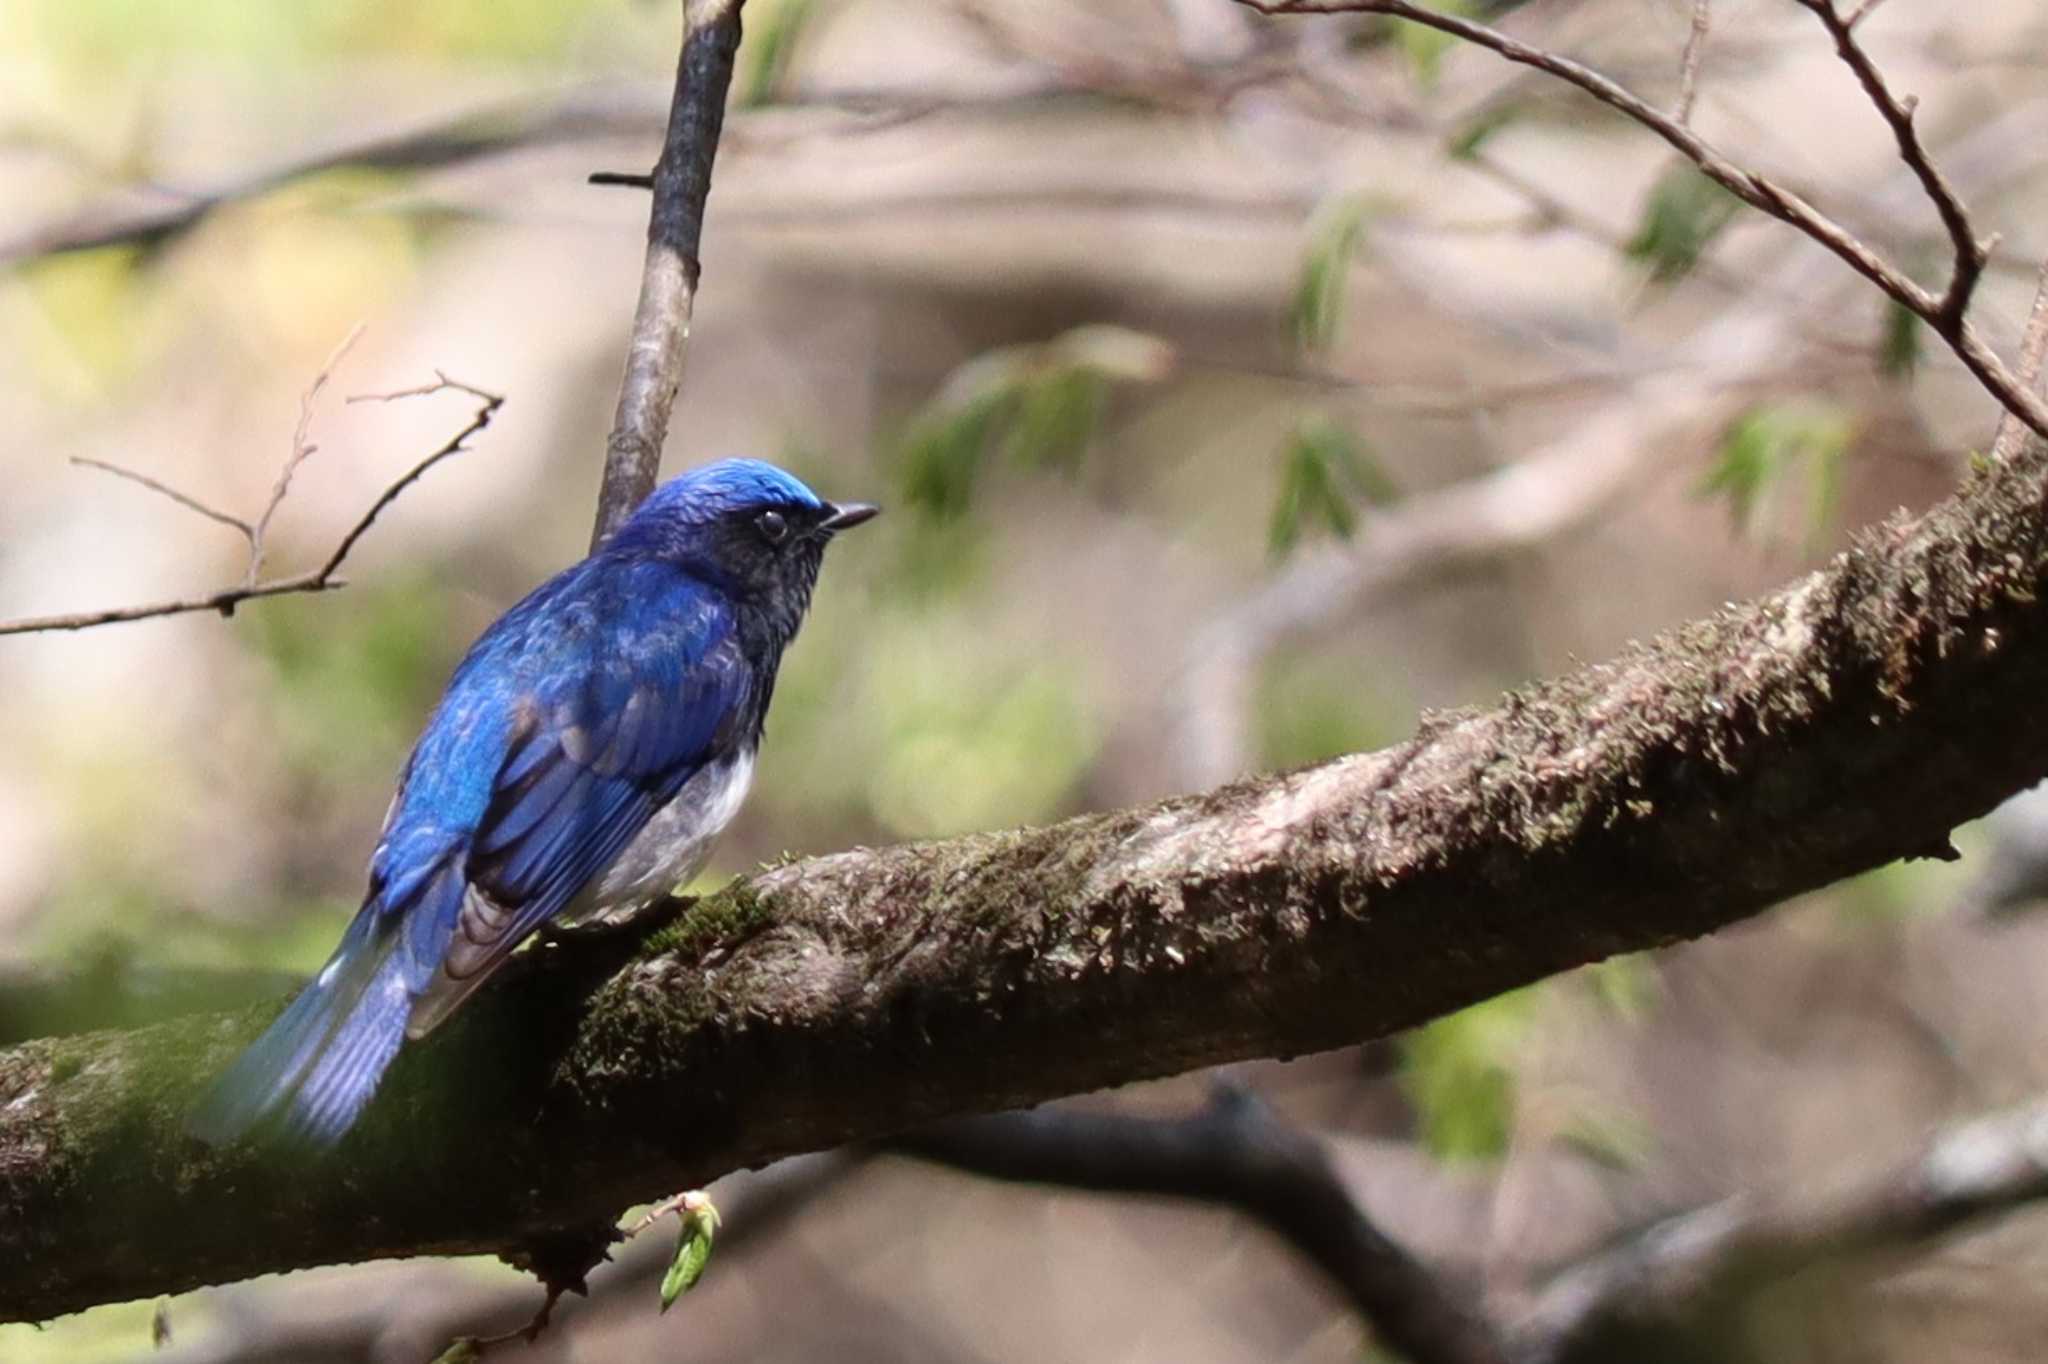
x=322 y=579
x=1944 y=312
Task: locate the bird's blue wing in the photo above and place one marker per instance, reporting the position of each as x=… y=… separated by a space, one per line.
x=576 y=717
x=596 y=745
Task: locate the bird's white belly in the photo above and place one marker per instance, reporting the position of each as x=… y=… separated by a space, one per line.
x=676 y=842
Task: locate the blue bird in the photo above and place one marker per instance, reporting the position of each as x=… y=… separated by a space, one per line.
x=589 y=749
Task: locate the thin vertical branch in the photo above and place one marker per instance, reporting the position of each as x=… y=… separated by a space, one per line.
x=1689 y=64
x=302 y=449
x=668 y=283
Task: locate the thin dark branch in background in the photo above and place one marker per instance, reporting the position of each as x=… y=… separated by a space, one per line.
x=431 y=1304
x=1234 y=1153
x=161 y=217
x=321 y=579
x=668 y=283
x=1944 y=312
x=1689 y=1266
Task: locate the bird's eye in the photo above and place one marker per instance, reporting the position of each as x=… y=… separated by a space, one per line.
x=773 y=527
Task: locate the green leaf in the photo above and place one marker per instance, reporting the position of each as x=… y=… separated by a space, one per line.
x=1681 y=218
x=1325 y=469
x=1898 y=350
x=1055 y=417
x=1766 y=448
x=1038 y=405
x=1471 y=139
x=771 y=40
x=1424 y=47
x=942 y=454
x=1457 y=1072
x=463 y=1351
x=693 y=1252
x=1335 y=237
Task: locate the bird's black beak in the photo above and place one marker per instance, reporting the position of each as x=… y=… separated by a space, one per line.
x=846 y=515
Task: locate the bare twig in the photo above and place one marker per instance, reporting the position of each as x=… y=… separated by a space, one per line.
x=302 y=449
x=1235 y=1153
x=185 y=500
x=442 y=384
x=455 y=445
x=668 y=282
x=1689 y=63
x=1944 y=312
x=2033 y=343
x=1970 y=251
x=322 y=579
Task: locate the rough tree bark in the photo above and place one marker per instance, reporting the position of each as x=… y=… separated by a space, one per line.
x=1849 y=719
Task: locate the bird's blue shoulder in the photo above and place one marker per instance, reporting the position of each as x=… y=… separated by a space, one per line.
x=557 y=669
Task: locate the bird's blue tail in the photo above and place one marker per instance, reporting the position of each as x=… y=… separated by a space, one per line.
x=310 y=1074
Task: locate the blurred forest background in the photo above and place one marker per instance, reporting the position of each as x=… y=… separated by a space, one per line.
x=1184 y=347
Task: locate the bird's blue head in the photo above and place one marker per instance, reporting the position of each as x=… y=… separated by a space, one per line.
x=744 y=525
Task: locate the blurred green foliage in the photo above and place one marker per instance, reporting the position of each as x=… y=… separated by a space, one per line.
x=969 y=739
x=1326 y=470
x=1458 y=1073
x=1423 y=46
x=773 y=30
x=1770 y=448
x=1898 y=349
x=1037 y=405
x=288 y=271
x=1312 y=708
x=1626 y=985
x=101 y=319
x=1336 y=235
x=1471 y=139
x=1682 y=215
x=99 y=36
x=1906 y=889
x=117 y=921
x=353 y=686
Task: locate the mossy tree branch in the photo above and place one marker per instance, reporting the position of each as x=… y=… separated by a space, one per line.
x=1850 y=719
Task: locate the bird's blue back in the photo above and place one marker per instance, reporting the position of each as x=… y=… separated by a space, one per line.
x=576 y=716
